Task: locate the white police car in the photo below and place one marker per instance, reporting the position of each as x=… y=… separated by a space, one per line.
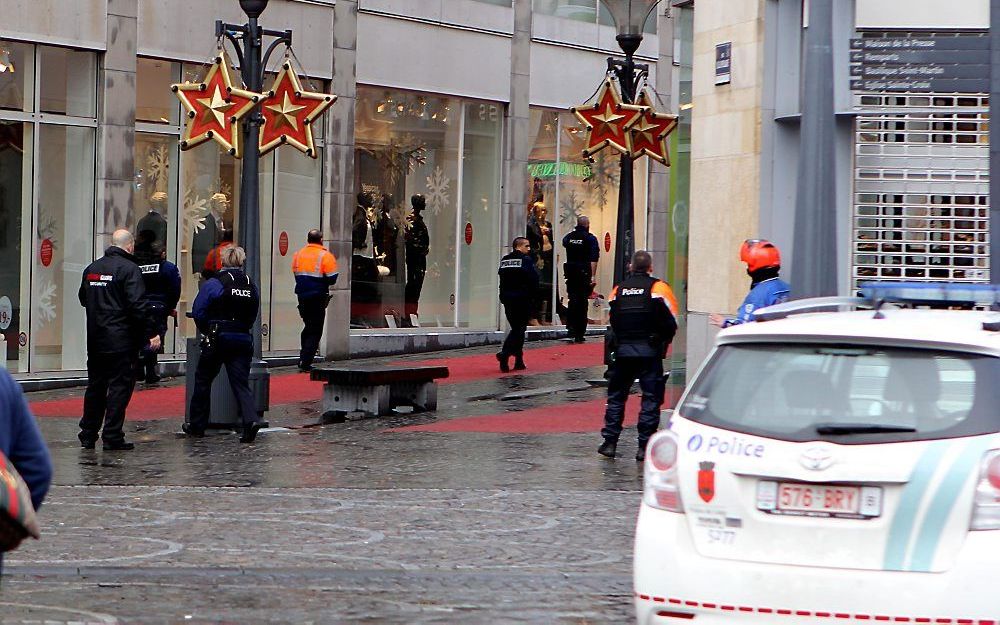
x=839 y=467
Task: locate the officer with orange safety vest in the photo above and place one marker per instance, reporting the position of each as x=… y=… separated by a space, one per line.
x=763 y=260
x=643 y=320
x=315 y=269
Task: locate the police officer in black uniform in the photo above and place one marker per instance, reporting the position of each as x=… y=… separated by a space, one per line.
x=225 y=310
x=582 y=254
x=642 y=318
x=119 y=324
x=162 y=280
x=518 y=284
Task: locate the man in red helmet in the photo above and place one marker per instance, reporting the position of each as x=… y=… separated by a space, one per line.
x=766 y=289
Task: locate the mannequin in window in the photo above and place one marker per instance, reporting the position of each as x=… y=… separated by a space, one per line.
x=418 y=242
x=154 y=222
x=539 y=235
x=364 y=272
x=387 y=238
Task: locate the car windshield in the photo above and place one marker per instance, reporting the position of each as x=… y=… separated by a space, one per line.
x=847 y=394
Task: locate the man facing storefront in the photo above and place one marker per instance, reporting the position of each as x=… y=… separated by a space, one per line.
x=120 y=322
x=315 y=269
x=582 y=254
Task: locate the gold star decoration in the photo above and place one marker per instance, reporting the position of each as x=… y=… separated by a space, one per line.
x=606 y=121
x=650 y=129
x=215 y=107
x=289 y=113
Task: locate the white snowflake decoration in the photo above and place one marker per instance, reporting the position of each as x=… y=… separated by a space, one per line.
x=46 y=302
x=196 y=210
x=437 y=190
x=158 y=163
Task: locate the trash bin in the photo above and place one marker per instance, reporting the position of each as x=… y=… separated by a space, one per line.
x=223 y=412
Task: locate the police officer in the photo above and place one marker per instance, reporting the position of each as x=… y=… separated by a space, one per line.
x=518 y=284
x=763 y=260
x=643 y=313
x=119 y=324
x=315 y=269
x=224 y=311
x=162 y=280
x=582 y=254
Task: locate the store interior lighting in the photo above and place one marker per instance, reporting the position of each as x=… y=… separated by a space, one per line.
x=6 y=61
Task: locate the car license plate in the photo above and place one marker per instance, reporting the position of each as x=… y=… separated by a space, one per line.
x=824 y=500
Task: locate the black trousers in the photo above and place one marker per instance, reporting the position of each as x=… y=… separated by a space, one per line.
x=576 y=312
x=416 y=270
x=518 y=313
x=625 y=371
x=313 y=313
x=110 y=382
x=236 y=357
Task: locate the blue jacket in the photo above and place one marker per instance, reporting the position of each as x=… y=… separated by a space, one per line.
x=21 y=441
x=211 y=304
x=763 y=294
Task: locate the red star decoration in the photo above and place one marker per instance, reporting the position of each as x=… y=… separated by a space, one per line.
x=215 y=107
x=649 y=130
x=607 y=121
x=289 y=113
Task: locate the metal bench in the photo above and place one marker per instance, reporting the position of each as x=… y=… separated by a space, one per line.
x=376 y=389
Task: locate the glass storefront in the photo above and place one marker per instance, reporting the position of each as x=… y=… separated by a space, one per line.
x=565 y=186
x=47 y=204
x=416 y=267
x=193 y=198
x=50 y=229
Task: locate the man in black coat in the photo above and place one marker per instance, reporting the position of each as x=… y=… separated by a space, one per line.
x=518 y=285
x=119 y=324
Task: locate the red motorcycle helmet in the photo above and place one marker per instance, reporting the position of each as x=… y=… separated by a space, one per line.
x=759 y=254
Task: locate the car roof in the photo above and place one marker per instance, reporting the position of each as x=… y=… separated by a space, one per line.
x=960 y=330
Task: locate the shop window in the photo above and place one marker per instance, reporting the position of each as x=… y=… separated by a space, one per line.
x=68 y=84
x=63 y=245
x=565 y=186
x=407 y=144
x=154 y=102
x=480 y=220
x=16 y=83
x=15 y=241
x=290 y=207
x=210 y=182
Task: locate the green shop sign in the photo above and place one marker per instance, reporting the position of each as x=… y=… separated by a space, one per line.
x=550 y=170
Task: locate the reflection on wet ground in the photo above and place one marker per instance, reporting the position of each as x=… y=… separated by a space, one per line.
x=343 y=523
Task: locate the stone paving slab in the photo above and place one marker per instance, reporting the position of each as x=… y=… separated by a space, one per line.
x=247 y=555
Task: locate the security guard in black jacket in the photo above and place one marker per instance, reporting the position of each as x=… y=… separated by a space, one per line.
x=518 y=285
x=119 y=324
x=224 y=311
x=582 y=254
x=643 y=321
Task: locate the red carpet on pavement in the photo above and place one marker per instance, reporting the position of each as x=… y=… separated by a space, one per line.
x=290 y=388
x=542 y=360
x=568 y=418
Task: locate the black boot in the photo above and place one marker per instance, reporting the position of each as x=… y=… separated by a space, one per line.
x=640 y=454
x=608 y=448
x=519 y=363
x=504 y=361
x=250 y=432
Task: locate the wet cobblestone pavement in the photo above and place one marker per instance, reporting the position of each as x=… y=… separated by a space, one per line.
x=344 y=523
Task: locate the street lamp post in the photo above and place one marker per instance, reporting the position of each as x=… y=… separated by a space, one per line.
x=630 y=16
x=253 y=61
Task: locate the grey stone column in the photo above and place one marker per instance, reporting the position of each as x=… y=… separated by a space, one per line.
x=116 y=122
x=518 y=131
x=338 y=176
x=814 y=256
x=658 y=222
